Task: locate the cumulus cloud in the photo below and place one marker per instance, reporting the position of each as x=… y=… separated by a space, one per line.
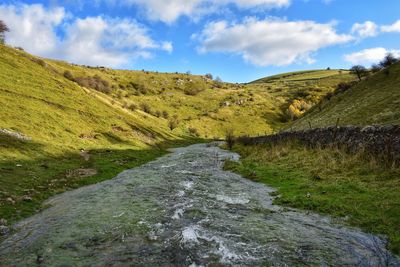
x=270 y=41
x=369 y=56
x=395 y=27
x=169 y=11
x=32 y=26
x=364 y=30
x=91 y=41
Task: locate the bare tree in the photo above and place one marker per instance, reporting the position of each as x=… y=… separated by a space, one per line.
x=3 y=30
x=359 y=71
x=389 y=60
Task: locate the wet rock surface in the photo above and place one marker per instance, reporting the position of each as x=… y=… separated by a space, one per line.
x=184 y=210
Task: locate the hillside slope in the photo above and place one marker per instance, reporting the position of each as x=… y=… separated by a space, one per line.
x=375 y=100
x=63 y=125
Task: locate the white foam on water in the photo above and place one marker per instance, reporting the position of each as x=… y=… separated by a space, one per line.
x=187 y=184
x=232 y=200
x=185 y=172
x=190 y=235
x=180 y=193
x=227 y=256
x=178 y=214
x=168 y=166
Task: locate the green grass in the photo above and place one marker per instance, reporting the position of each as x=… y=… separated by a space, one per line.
x=375 y=100
x=328 y=181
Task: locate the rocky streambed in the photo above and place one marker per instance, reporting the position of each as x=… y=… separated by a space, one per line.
x=184 y=210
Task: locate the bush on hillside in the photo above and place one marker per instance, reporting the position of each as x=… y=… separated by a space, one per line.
x=342 y=87
x=68 y=75
x=376 y=68
x=145 y=108
x=297 y=108
x=165 y=114
x=139 y=87
x=3 y=30
x=95 y=82
x=172 y=124
x=389 y=60
x=193 y=132
x=193 y=88
x=132 y=107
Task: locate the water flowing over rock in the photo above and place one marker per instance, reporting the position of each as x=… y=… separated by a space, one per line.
x=184 y=210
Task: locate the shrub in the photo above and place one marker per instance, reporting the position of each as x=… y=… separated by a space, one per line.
x=193 y=88
x=95 y=82
x=39 y=61
x=209 y=76
x=173 y=122
x=376 y=68
x=145 y=107
x=230 y=139
x=165 y=114
x=132 y=107
x=68 y=75
x=342 y=87
x=389 y=60
x=157 y=114
x=139 y=87
x=297 y=108
x=193 y=132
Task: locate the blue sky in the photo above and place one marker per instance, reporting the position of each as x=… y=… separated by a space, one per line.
x=238 y=40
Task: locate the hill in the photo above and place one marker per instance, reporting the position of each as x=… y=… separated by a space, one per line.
x=375 y=100
x=63 y=125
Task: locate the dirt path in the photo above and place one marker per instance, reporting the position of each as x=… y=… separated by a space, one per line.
x=183 y=210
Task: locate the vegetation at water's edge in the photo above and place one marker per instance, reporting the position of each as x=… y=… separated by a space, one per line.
x=328 y=181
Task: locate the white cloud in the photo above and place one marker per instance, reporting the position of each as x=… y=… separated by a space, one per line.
x=395 y=27
x=167 y=46
x=366 y=29
x=32 y=26
x=169 y=11
x=369 y=56
x=270 y=42
x=90 y=41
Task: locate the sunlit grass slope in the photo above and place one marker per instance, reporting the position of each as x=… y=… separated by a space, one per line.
x=376 y=100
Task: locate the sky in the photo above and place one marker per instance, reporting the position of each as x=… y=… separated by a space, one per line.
x=237 y=40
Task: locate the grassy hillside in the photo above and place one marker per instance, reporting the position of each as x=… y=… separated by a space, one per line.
x=297 y=92
x=376 y=100
x=63 y=125
x=56 y=135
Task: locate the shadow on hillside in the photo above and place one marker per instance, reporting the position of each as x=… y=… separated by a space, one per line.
x=12 y=142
